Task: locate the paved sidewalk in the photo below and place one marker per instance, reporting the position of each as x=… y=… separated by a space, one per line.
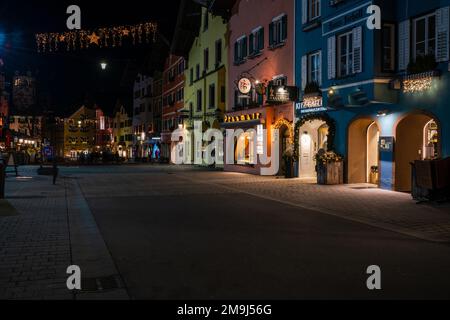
x=51 y=229
x=388 y=210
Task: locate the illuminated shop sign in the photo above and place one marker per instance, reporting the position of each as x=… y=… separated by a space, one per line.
x=243 y=118
x=282 y=94
x=244 y=86
x=310 y=105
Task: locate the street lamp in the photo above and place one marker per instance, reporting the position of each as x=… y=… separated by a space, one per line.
x=103 y=65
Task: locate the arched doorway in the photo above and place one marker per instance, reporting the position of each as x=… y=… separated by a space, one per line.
x=313 y=137
x=417 y=138
x=363 y=153
x=286 y=133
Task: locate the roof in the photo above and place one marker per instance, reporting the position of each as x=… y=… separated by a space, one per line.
x=187 y=27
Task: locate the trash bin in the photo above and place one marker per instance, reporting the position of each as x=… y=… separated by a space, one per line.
x=2 y=179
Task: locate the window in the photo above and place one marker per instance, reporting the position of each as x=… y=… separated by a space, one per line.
x=218 y=52
x=425 y=36
x=191 y=78
x=206 y=59
x=240 y=50
x=314 y=67
x=278 y=31
x=205 y=20
x=313 y=9
x=199 y=100
x=388 y=41
x=197 y=71
x=212 y=96
x=345 y=54
x=256 y=41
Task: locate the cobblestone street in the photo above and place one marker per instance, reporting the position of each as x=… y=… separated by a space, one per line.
x=177 y=232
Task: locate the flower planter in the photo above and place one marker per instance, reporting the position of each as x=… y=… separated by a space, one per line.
x=331 y=173
x=289 y=171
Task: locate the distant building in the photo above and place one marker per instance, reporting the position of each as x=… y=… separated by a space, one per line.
x=143 y=92
x=154 y=138
x=122 y=131
x=103 y=132
x=173 y=100
x=4 y=110
x=79 y=134
x=26 y=136
x=23 y=93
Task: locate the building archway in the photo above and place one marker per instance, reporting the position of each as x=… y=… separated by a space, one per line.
x=286 y=134
x=313 y=137
x=417 y=138
x=363 y=152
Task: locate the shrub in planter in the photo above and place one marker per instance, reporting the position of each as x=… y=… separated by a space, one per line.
x=329 y=167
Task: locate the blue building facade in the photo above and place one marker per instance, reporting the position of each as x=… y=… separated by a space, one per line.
x=379 y=95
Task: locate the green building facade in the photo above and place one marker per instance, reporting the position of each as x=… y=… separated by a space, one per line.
x=205 y=90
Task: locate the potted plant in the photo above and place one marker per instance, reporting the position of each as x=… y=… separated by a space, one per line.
x=374 y=175
x=329 y=167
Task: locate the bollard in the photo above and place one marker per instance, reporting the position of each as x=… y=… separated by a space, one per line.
x=2 y=180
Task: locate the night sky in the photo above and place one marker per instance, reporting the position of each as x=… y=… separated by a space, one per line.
x=69 y=79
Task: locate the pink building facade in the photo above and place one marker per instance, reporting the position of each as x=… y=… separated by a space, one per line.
x=261 y=77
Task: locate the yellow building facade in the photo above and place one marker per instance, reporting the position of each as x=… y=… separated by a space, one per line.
x=79 y=133
x=205 y=90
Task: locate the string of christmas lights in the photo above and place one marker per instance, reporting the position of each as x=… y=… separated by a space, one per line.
x=101 y=37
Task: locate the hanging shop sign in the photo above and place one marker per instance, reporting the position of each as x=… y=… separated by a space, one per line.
x=282 y=94
x=243 y=118
x=387 y=144
x=310 y=105
x=244 y=86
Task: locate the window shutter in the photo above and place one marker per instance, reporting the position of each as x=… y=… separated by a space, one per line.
x=320 y=68
x=332 y=57
x=244 y=48
x=442 y=32
x=403 y=45
x=284 y=28
x=271 y=34
x=357 y=50
x=261 y=39
x=251 y=43
x=304 y=71
x=236 y=52
x=304 y=11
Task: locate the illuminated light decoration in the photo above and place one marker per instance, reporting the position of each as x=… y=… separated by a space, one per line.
x=289 y=125
x=101 y=37
x=419 y=82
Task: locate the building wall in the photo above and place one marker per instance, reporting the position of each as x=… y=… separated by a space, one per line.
x=143 y=92
x=385 y=105
x=173 y=99
x=23 y=92
x=272 y=62
x=204 y=97
x=123 y=133
x=79 y=133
